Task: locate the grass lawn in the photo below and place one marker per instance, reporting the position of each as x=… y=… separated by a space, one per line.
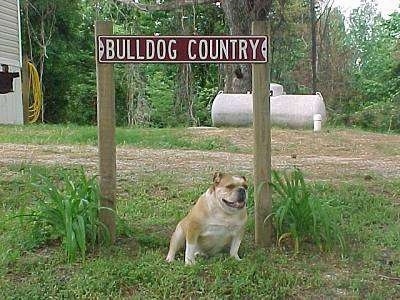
x=168 y=138
x=32 y=267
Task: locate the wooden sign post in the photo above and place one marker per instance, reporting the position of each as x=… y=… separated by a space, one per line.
x=262 y=146
x=253 y=49
x=106 y=134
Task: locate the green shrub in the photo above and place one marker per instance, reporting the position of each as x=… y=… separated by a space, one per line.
x=204 y=98
x=68 y=210
x=301 y=216
x=160 y=93
x=380 y=116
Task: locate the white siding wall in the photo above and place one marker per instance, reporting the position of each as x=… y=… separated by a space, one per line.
x=9 y=33
x=11 y=111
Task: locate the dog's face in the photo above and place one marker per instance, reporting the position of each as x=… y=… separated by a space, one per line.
x=230 y=191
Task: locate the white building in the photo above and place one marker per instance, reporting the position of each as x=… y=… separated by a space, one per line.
x=11 y=108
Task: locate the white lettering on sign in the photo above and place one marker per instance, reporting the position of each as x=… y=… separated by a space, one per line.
x=214 y=53
x=190 y=53
x=129 y=54
x=233 y=48
x=203 y=49
x=161 y=49
x=223 y=49
x=138 y=56
x=121 y=50
x=110 y=53
x=150 y=53
x=172 y=53
x=243 y=49
x=182 y=49
x=253 y=45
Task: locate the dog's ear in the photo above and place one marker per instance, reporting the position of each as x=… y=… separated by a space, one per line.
x=217 y=177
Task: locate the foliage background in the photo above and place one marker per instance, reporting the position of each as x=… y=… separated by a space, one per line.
x=358 y=62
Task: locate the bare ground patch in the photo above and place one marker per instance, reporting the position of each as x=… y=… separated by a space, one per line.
x=337 y=155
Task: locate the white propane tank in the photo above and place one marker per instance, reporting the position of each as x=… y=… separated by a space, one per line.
x=232 y=110
x=294 y=111
x=297 y=111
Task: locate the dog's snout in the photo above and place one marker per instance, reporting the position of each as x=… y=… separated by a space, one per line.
x=242 y=194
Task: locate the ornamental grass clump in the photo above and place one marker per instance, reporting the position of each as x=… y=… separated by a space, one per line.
x=302 y=216
x=68 y=210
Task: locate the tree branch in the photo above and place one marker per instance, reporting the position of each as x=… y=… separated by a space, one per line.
x=165 y=6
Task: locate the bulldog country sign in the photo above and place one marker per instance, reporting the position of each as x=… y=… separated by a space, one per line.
x=182 y=49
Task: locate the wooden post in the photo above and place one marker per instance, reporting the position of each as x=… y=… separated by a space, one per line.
x=262 y=145
x=25 y=89
x=106 y=133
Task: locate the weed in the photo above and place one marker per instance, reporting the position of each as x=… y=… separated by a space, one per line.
x=69 y=210
x=299 y=215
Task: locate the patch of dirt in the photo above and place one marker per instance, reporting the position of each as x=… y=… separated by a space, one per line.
x=336 y=156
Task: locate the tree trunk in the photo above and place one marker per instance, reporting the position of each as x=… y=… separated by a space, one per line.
x=138 y=109
x=239 y=16
x=239 y=24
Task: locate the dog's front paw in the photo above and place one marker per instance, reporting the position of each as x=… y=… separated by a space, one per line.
x=169 y=259
x=189 y=261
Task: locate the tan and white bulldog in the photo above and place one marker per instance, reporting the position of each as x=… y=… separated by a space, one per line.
x=215 y=222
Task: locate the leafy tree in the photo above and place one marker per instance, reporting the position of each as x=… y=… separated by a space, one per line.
x=49 y=35
x=289 y=34
x=334 y=59
x=372 y=53
x=374 y=66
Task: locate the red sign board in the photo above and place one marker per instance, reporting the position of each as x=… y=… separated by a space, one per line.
x=182 y=49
